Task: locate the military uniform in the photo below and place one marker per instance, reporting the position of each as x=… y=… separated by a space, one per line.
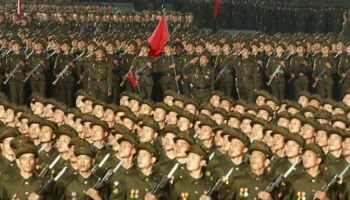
x=38 y=78
x=116 y=75
x=325 y=75
x=126 y=60
x=145 y=81
x=16 y=82
x=101 y=78
x=184 y=61
x=246 y=76
x=224 y=72
x=162 y=66
x=344 y=69
x=278 y=82
x=301 y=73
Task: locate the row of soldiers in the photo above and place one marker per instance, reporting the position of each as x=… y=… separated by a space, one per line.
x=175 y=149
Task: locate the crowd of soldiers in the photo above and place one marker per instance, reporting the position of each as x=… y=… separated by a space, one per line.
x=82 y=138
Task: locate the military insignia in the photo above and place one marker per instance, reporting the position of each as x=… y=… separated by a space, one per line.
x=184 y=195
x=208 y=173
x=172 y=180
x=241 y=192
x=132 y=192
x=303 y=196
x=137 y=193
x=115 y=190
x=246 y=192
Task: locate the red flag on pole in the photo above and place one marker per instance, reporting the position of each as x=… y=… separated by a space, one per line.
x=158 y=38
x=216 y=8
x=132 y=80
x=20 y=8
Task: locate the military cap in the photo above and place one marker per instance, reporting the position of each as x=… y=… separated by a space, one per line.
x=145 y=44
x=293 y=104
x=26 y=148
x=149 y=102
x=315 y=148
x=263 y=93
x=207 y=106
x=130 y=116
x=316 y=97
x=112 y=107
x=298 y=116
x=341 y=118
x=206 y=121
x=170 y=93
x=84 y=149
x=6 y=132
x=226 y=98
x=328 y=101
x=221 y=127
x=251 y=107
x=273 y=99
x=150 y=122
x=309 y=109
x=60 y=106
x=171 y=129
x=161 y=105
x=196 y=149
x=325 y=127
x=98 y=122
x=186 y=114
x=283 y=114
x=297 y=138
x=81 y=93
x=168 y=43
x=125 y=93
x=235 y=114
x=311 y=122
x=239 y=102
x=269 y=127
x=304 y=93
x=89 y=98
x=135 y=97
x=341 y=106
x=132 y=42
x=201 y=44
x=260 y=121
x=283 y=131
x=66 y=130
x=37 y=97
x=322 y=114
x=184 y=136
x=123 y=109
x=248 y=116
x=337 y=131
x=99 y=102
x=206 y=55
x=327 y=45
x=266 y=108
x=19 y=141
x=190 y=42
x=191 y=101
x=22 y=109
x=50 y=124
x=236 y=134
x=76 y=141
x=129 y=139
x=220 y=111
x=149 y=148
x=119 y=129
x=218 y=93
x=39 y=41
x=262 y=147
x=179 y=97
x=74 y=111
x=34 y=120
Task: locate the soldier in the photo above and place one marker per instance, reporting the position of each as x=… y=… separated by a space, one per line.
x=37 y=69
x=127 y=60
x=309 y=183
x=225 y=65
x=47 y=153
x=344 y=72
x=323 y=73
x=246 y=76
x=64 y=63
x=276 y=71
x=299 y=71
x=101 y=76
x=184 y=61
x=167 y=66
x=200 y=77
x=116 y=71
x=7 y=158
x=16 y=61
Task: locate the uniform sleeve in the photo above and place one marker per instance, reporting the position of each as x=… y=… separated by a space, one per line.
x=109 y=78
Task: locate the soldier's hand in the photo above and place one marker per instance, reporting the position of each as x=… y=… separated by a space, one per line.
x=41 y=63
x=321 y=195
x=328 y=65
x=204 y=197
x=194 y=61
x=149 y=196
x=71 y=64
x=115 y=62
x=109 y=93
x=305 y=63
x=125 y=77
x=317 y=78
x=270 y=77
x=58 y=76
x=177 y=78
x=343 y=75
x=21 y=62
x=293 y=76
x=149 y=64
x=282 y=63
x=81 y=77
x=172 y=66
x=259 y=62
x=264 y=195
x=93 y=194
x=33 y=196
x=186 y=77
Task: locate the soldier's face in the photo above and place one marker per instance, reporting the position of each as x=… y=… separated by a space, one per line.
x=303 y=101
x=339 y=124
x=16 y=47
x=98 y=133
x=183 y=123
x=6 y=148
x=134 y=105
x=215 y=101
x=334 y=142
x=268 y=138
x=159 y=115
x=226 y=105
x=168 y=141
x=65 y=47
x=189 y=48
x=325 y=50
x=346 y=99
x=191 y=108
x=218 y=118
x=218 y=139
x=257 y=160
x=109 y=115
x=126 y=150
x=62 y=144
x=113 y=141
x=46 y=134
x=257 y=132
x=194 y=162
x=58 y=116
x=307 y=131
x=348 y=49
x=147 y=134
x=145 y=109
x=172 y=118
x=245 y=126
x=48 y=112
x=321 y=138
x=34 y=131
x=38 y=47
x=128 y=123
x=292 y=149
x=181 y=147
x=234 y=122
x=169 y=100
x=206 y=133
x=98 y=111
x=294 y=126
x=278 y=142
x=26 y=162
x=346 y=147
x=310 y=159
x=10 y=116
x=236 y=148
x=85 y=163
x=263 y=114
x=239 y=108
x=144 y=159
x=23 y=126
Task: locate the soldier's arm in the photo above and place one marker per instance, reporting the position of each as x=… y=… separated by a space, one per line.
x=341 y=66
x=314 y=70
x=254 y=74
x=109 y=79
x=268 y=67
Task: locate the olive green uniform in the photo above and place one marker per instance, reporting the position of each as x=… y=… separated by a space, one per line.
x=101 y=77
x=279 y=81
x=126 y=61
x=145 y=82
x=185 y=82
x=344 y=68
x=301 y=73
x=38 y=78
x=162 y=66
x=325 y=84
x=246 y=76
x=224 y=73
x=16 y=82
x=116 y=76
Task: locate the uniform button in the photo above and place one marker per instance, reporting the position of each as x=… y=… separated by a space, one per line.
x=26 y=183
x=256 y=188
x=26 y=193
x=313 y=180
x=84 y=191
x=85 y=182
x=146 y=179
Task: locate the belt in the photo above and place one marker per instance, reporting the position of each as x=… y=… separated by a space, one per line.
x=244 y=78
x=98 y=80
x=168 y=74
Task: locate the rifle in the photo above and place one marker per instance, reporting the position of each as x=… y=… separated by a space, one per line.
x=4 y=54
x=319 y=75
x=60 y=74
x=86 y=72
x=164 y=180
x=98 y=166
x=335 y=178
x=347 y=73
x=101 y=182
x=274 y=75
x=31 y=72
x=49 y=167
x=78 y=57
x=11 y=74
x=222 y=71
x=49 y=56
x=130 y=69
x=219 y=182
x=31 y=53
x=50 y=182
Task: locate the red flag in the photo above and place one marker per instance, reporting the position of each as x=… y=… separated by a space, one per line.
x=132 y=80
x=20 y=8
x=158 y=38
x=216 y=9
